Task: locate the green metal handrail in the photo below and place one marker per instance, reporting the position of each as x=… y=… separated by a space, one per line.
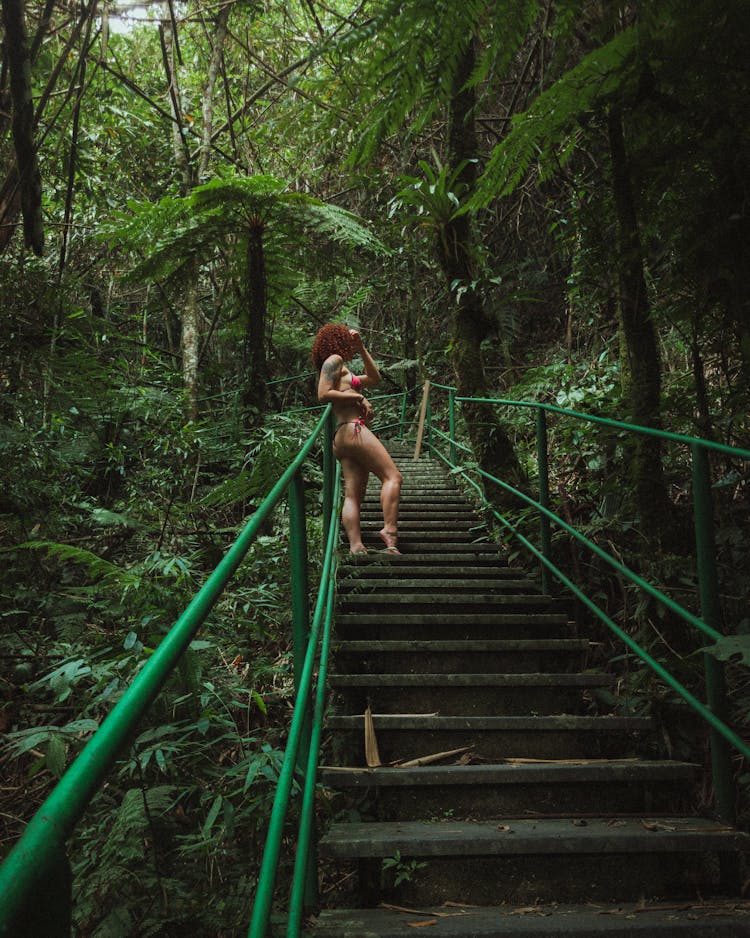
x=38 y=865
x=715 y=714
x=303 y=887
x=303 y=893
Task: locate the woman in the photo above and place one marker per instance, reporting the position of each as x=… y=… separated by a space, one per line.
x=356 y=447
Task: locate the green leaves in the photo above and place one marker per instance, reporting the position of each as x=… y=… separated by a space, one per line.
x=405 y=62
x=437 y=197
x=547 y=131
x=53 y=741
x=96 y=567
x=734 y=648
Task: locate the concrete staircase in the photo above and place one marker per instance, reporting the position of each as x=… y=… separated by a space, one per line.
x=451 y=648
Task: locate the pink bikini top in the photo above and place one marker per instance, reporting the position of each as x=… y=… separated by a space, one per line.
x=356 y=382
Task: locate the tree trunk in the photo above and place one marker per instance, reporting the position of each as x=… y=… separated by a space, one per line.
x=642 y=359
x=254 y=350
x=10 y=190
x=189 y=329
x=29 y=176
x=733 y=192
x=207 y=98
x=189 y=344
x=491 y=444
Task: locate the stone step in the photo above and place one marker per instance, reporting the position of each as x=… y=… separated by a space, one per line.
x=427 y=524
x=454 y=656
x=484 y=601
x=380 y=564
x=421 y=679
x=467 y=694
x=424 y=571
x=692 y=919
x=541 y=858
x=438 y=514
x=529 y=789
x=524 y=836
x=437 y=547
x=433 y=487
x=427 y=536
x=428 y=503
x=491 y=738
x=456 y=625
x=414 y=492
x=397 y=582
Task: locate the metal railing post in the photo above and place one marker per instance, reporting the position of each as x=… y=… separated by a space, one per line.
x=708 y=586
x=328 y=475
x=298 y=574
x=452 y=424
x=543 y=469
x=298 y=559
x=428 y=419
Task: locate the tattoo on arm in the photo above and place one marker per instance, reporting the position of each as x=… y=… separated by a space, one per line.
x=331 y=371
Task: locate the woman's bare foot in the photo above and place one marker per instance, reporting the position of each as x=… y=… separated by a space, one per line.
x=358 y=550
x=390 y=539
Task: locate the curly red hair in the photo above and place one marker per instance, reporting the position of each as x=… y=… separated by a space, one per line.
x=332 y=339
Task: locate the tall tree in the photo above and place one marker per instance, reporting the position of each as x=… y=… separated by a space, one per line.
x=642 y=362
x=28 y=176
x=490 y=441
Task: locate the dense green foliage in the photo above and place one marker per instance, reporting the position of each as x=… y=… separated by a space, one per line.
x=217 y=184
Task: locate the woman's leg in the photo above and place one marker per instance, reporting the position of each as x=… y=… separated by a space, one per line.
x=355 y=484
x=365 y=450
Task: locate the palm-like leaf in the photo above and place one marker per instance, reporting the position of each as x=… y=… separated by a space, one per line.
x=175 y=231
x=404 y=62
x=546 y=131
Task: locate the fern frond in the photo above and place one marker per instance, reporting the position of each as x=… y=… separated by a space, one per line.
x=508 y=30
x=230 y=491
x=96 y=567
x=545 y=132
x=404 y=64
x=344 y=227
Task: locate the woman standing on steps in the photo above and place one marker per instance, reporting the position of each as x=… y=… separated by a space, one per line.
x=356 y=447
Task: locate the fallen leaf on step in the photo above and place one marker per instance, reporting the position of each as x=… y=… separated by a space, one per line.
x=527 y=910
x=580 y=822
x=616 y=822
x=428 y=921
x=405 y=909
x=505 y=828
x=372 y=756
x=434 y=757
x=657 y=826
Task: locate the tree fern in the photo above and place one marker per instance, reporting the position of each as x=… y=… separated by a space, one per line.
x=176 y=230
x=546 y=131
x=404 y=61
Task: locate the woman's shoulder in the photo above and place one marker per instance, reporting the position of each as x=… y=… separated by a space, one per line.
x=332 y=363
x=330 y=370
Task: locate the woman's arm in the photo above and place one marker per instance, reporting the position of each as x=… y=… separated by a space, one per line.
x=371 y=377
x=330 y=375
